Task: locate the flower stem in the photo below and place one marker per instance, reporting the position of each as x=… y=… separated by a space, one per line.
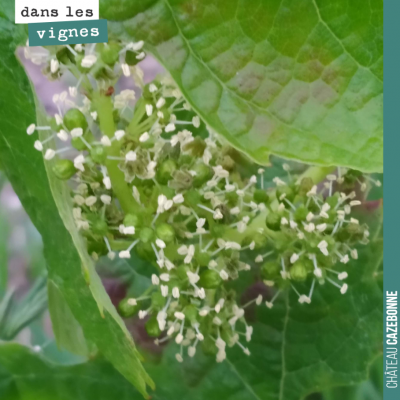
x=121 y=189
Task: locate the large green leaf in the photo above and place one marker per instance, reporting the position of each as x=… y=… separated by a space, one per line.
x=47 y=202
x=26 y=376
x=300 y=79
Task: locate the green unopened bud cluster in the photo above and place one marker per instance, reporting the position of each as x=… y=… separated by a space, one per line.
x=149 y=177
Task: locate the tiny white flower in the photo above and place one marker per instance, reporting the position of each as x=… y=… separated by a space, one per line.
x=344 y=288
x=269 y=304
x=38 y=145
x=223 y=274
x=144 y=137
x=31 y=128
x=318 y=272
x=62 y=135
x=164 y=277
x=342 y=276
x=178 y=199
x=278 y=181
x=77 y=132
x=149 y=110
x=130 y=156
x=124 y=254
x=321 y=227
x=259 y=259
x=160 y=243
x=125 y=69
x=259 y=299
x=218 y=214
x=179 y=315
x=119 y=134
x=90 y=201
x=310 y=217
x=132 y=302
x=309 y=227
x=107 y=182
x=54 y=66
x=284 y=221
x=170 y=128
x=58 y=119
x=193 y=277
x=94 y=115
x=191 y=351
x=175 y=292
x=294 y=258
x=354 y=254
x=88 y=61
x=129 y=230
x=106 y=199
x=160 y=102
x=345 y=259
x=105 y=141
x=196 y=121
x=164 y=290
x=142 y=314
x=50 y=153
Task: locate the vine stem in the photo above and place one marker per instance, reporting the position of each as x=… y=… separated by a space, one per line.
x=121 y=189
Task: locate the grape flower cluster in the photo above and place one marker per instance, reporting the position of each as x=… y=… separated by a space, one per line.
x=147 y=175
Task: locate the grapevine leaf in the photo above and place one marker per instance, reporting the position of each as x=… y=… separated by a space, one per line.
x=299 y=79
x=25 y=375
x=70 y=269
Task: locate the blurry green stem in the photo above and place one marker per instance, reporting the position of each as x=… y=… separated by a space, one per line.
x=121 y=189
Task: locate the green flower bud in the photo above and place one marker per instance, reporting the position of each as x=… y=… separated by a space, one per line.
x=203 y=174
x=210 y=279
x=147 y=235
x=192 y=198
x=305 y=186
x=127 y=309
x=98 y=154
x=196 y=147
x=157 y=300
x=79 y=144
x=300 y=214
x=181 y=272
x=203 y=259
x=165 y=171
x=185 y=160
x=217 y=230
x=74 y=118
x=166 y=115
x=132 y=220
x=273 y=221
x=64 y=169
x=190 y=312
x=259 y=239
x=99 y=227
x=261 y=196
x=152 y=328
x=110 y=53
x=182 y=180
x=270 y=269
x=130 y=58
x=285 y=191
x=165 y=232
x=232 y=198
x=298 y=271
